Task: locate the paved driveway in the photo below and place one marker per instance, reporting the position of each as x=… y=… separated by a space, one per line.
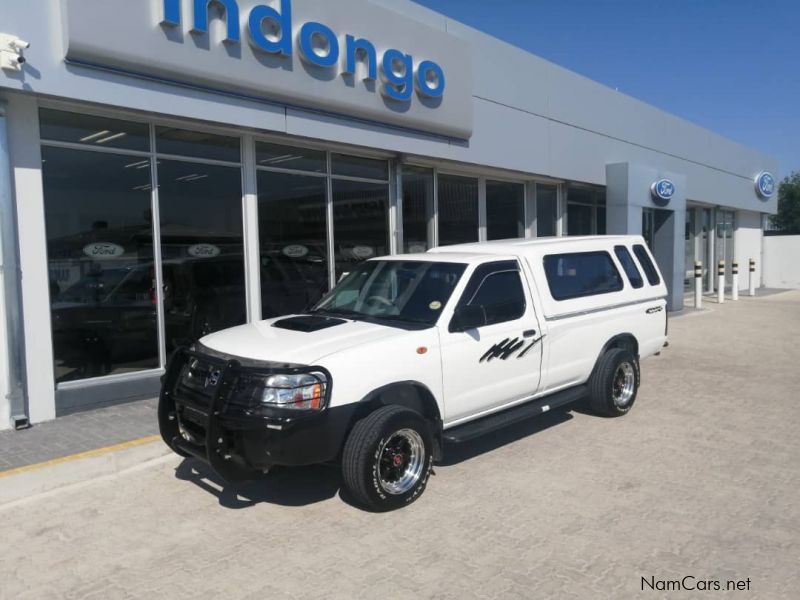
x=700 y=480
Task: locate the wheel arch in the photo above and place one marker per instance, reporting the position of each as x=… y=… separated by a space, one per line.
x=626 y=341
x=413 y=395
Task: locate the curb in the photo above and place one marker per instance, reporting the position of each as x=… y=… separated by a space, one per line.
x=33 y=480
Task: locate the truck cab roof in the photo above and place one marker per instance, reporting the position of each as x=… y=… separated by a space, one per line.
x=479 y=252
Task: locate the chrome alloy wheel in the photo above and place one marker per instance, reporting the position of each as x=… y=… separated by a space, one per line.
x=624 y=385
x=401 y=461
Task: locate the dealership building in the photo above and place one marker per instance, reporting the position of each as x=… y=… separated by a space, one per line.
x=169 y=168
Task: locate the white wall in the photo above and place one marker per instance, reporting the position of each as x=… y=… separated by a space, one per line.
x=747 y=242
x=781 y=264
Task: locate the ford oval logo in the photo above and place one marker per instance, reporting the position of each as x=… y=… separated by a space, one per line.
x=204 y=251
x=663 y=190
x=765 y=185
x=103 y=250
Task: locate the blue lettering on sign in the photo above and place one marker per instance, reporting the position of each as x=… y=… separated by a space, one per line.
x=361 y=49
x=280 y=23
x=270 y=31
x=329 y=47
x=765 y=185
x=398 y=69
x=663 y=190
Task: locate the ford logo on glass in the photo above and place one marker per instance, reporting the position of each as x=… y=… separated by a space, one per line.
x=765 y=185
x=204 y=251
x=663 y=190
x=103 y=250
x=270 y=30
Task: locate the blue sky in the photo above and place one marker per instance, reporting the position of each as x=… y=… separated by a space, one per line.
x=732 y=66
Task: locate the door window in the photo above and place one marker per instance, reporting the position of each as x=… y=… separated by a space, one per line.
x=498 y=289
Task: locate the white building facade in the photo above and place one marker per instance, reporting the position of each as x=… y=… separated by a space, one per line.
x=170 y=168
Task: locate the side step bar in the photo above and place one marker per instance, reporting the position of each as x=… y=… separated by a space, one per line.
x=474 y=429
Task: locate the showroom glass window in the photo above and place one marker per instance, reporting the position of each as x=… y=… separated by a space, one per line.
x=293 y=227
x=417 y=209
x=97 y=189
x=586 y=211
x=296 y=234
x=360 y=188
x=458 y=209
x=505 y=210
x=546 y=210
x=200 y=204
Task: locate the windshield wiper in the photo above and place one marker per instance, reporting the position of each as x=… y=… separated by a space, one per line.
x=339 y=312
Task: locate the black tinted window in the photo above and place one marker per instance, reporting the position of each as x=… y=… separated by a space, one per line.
x=498 y=291
x=631 y=270
x=581 y=274
x=647 y=264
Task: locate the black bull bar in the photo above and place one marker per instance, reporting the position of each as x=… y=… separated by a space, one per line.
x=214 y=449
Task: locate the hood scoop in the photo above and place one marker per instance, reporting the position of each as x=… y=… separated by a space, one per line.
x=308 y=323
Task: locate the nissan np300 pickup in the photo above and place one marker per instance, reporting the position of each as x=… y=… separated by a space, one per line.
x=410 y=351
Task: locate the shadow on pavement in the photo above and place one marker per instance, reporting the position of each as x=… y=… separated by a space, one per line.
x=299 y=486
x=458 y=453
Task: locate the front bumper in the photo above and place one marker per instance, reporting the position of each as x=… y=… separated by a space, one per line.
x=240 y=441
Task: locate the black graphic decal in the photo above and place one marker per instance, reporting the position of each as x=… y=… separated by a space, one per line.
x=503 y=350
x=529 y=348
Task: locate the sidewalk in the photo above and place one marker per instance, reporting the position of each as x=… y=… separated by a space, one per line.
x=77 y=434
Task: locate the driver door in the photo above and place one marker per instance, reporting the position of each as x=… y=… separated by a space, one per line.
x=498 y=362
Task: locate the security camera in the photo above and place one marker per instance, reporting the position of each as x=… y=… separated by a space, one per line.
x=19 y=44
x=11 y=61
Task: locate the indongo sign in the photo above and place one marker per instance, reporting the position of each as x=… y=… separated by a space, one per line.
x=351 y=58
x=270 y=30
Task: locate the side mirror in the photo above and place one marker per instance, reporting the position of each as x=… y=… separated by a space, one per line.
x=468 y=317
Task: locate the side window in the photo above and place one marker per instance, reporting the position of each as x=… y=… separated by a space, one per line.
x=581 y=274
x=498 y=289
x=631 y=270
x=647 y=264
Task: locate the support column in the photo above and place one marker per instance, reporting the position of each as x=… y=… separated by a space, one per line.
x=37 y=349
x=252 y=249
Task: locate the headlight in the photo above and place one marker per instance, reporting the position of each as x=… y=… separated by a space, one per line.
x=298 y=392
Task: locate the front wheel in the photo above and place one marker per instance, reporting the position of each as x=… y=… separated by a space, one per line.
x=388 y=458
x=615 y=383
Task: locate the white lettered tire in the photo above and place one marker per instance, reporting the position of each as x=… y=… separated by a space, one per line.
x=388 y=458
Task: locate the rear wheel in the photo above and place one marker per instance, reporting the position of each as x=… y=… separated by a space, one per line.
x=388 y=458
x=615 y=383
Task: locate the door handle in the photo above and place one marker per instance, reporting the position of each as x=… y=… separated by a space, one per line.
x=529 y=333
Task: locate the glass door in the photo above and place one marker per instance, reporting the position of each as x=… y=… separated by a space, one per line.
x=724 y=242
x=649 y=226
x=690 y=244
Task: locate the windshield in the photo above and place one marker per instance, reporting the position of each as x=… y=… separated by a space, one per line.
x=411 y=292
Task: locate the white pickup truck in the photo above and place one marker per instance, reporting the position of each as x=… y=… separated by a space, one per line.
x=409 y=352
